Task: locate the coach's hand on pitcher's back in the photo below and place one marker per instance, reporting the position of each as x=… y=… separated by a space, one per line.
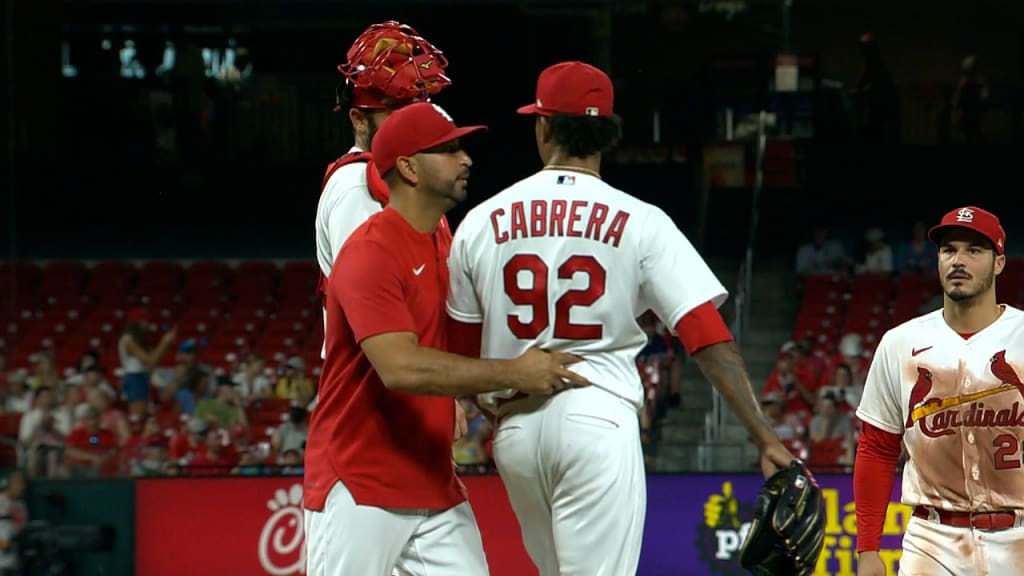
x=540 y=372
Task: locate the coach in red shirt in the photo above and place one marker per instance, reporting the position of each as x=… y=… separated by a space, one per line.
x=380 y=486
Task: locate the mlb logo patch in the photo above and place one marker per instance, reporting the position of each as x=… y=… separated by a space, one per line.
x=567 y=179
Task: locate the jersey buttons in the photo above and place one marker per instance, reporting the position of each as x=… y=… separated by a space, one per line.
x=970 y=437
x=975 y=473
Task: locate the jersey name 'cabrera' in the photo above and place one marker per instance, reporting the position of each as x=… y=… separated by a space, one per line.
x=563 y=261
x=959 y=404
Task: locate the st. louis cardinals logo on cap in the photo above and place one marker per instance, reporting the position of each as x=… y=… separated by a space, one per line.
x=922 y=408
x=965 y=215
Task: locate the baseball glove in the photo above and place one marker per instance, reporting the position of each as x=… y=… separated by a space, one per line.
x=788 y=530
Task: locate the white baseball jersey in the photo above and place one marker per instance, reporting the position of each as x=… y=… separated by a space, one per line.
x=345 y=203
x=563 y=261
x=959 y=404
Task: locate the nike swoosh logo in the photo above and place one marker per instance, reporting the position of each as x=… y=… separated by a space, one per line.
x=417 y=271
x=917 y=351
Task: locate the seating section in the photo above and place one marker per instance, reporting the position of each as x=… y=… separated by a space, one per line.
x=870 y=304
x=71 y=307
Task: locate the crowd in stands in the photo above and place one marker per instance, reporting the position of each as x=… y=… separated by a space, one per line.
x=169 y=368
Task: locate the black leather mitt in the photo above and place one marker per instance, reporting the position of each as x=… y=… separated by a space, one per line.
x=788 y=529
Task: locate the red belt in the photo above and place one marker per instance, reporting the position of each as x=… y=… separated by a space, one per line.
x=979 y=520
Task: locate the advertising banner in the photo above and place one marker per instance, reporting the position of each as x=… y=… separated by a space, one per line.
x=695 y=524
x=699 y=521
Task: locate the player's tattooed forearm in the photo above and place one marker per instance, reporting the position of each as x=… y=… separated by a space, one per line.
x=723 y=365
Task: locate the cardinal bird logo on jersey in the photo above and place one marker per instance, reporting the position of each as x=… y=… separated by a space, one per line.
x=919 y=392
x=1007 y=375
x=974 y=414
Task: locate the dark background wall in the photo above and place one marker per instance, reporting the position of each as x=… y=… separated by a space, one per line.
x=89 y=176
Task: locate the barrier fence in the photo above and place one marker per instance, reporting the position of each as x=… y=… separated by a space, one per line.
x=253 y=526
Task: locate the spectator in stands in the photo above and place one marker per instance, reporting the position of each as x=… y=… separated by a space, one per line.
x=969 y=102
x=660 y=346
x=89 y=448
x=154 y=458
x=291 y=435
x=225 y=408
x=917 y=255
x=787 y=426
x=13 y=519
x=64 y=413
x=876 y=101
x=820 y=256
x=218 y=458
x=877 y=253
x=797 y=388
x=851 y=353
x=828 y=422
x=846 y=393
x=85 y=361
x=95 y=378
x=252 y=380
x=188 y=368
x=44 y=449
x=138 y=359
x=804 y=359
x=44 y=402
x=44 y=372
x=111 y=417
x=191 y=442
x=291 y=462
x=187 y=390
x=293 y=384
x=150 y=427
x=19 y=398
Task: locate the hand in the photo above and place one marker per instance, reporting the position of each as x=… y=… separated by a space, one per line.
x=461 y=425
x=170 y=335
x=540 y=372
x=870 y=564
x=775 y=457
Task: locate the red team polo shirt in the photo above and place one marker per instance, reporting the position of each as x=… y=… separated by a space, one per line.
x=390 y=449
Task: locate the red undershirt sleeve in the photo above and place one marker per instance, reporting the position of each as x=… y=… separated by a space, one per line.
x=874 y=471
x=702 y=327
x=464 y=338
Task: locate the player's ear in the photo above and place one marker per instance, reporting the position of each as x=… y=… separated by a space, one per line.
x=408 y=169
x=1000 y=263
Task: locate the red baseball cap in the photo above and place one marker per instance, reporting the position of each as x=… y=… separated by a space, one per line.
x=574 y=88
x=414 y=128
x=972 y=218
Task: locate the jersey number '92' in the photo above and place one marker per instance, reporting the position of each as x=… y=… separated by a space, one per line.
x=536 y=296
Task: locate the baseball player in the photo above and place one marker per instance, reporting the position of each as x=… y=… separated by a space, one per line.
x=946 y=385
x=389 y=66
x=380 y=489
x=563 y=261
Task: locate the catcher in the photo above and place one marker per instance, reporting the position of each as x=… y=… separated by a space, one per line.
x=788 y=530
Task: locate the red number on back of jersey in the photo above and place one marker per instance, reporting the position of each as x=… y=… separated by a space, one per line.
x=536 y=296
